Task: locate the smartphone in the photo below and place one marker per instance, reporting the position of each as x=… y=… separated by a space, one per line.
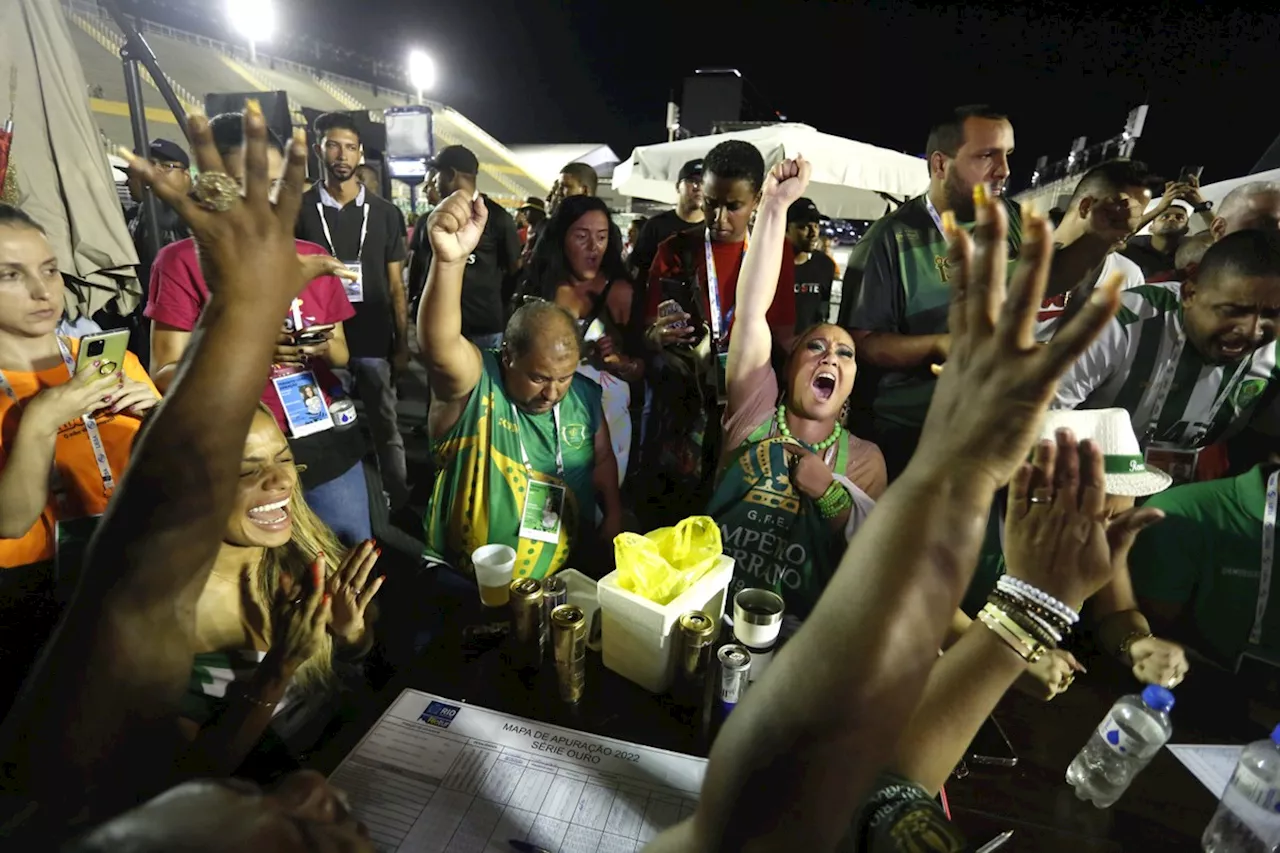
x=106 y=347
x=682 y=293
x=991 y=746
x=312 y=335
x=1190 y=173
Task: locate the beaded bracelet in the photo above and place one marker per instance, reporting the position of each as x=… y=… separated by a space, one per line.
x=1014 y=585
x=1048 y=628
x=835 y=500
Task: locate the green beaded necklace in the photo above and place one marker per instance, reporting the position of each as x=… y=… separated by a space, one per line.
x=817 y=448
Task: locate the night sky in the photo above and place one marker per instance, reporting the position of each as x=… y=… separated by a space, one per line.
x=601 y=71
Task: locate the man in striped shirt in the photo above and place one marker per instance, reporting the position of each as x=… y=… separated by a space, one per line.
x=1188 y=362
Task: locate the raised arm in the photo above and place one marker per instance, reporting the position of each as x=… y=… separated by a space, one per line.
x=752 y=342
x=1086 y=550
x=453 y=363
x=96 y=719
x=828 y=714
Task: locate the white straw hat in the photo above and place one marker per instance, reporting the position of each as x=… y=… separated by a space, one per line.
x=1127 y=473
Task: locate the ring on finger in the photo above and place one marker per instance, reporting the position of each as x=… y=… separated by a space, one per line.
x=1040 y=499
x=216 y=191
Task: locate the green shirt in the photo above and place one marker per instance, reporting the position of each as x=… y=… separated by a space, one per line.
x=1122 y=367
x=1207 y=554
x=479 y=492
x=898 y=282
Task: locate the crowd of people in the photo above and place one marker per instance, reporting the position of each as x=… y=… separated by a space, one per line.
x=1001 y=410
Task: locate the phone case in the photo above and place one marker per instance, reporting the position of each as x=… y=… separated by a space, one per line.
x=114 y=346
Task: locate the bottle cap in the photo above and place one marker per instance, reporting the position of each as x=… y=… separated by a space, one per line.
x=1275 y=735
x=1157 y=698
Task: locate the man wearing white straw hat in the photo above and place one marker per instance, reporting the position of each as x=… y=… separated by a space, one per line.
x=1128 y=477
x=1188 y=362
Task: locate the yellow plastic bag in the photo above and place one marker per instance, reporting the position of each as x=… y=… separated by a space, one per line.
x=661 y=565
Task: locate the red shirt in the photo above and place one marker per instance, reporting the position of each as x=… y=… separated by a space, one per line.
x=728 y=258
x=177 y=294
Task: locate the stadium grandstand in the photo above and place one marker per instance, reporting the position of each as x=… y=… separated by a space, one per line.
x=196 y=65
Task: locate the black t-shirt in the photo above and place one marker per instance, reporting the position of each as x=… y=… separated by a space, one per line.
x=1153 y=262
x=813 y=290
x=370 y=334
x=651 y=235
x=488 y=267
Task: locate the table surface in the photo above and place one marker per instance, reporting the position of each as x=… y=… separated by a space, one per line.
x=1165 y=809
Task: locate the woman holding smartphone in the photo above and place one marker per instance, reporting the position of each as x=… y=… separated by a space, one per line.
x=79 y=427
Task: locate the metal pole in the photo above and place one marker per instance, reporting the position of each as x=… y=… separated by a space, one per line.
x=140 y=51
x=141 y=145
x=413 y=198
x=253 y=52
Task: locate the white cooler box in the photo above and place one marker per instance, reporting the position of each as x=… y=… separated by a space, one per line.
x=639 y=635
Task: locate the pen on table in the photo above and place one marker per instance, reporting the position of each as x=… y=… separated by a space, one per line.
x=997 y=842
x=525 y=846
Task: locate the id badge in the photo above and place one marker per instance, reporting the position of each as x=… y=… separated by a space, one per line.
x=354 y=289
x=722 y=378
x=303 y=401
x=543 y=512
x=1178 y=462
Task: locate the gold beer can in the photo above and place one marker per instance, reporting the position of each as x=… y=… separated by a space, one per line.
x=569 y=643
x=696 y=633
x=526 y=610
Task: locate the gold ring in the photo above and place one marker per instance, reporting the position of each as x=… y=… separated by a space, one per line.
x=216 y=191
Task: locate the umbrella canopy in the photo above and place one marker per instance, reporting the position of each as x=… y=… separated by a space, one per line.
x=847 y=175
x=63 y=178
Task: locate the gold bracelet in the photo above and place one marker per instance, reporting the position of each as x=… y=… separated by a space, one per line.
x=1126 y=644
x=1006 y=629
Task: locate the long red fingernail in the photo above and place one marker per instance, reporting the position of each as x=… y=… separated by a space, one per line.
x=326 y=598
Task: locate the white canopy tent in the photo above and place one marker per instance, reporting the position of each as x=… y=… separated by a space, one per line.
x=64 y=179
x=847 y=175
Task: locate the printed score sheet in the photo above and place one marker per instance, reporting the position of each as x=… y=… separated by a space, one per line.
x=438 y=776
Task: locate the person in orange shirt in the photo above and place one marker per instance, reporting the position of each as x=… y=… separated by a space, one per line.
x=42 y=405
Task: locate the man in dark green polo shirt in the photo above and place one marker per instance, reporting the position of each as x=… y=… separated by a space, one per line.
x=1201 y=568
x=896 y=291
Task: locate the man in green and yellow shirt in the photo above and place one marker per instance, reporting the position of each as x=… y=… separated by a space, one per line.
x=518 y=437
x=897 y=290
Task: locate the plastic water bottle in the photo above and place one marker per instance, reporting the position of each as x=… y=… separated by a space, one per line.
x=1125 y=742
x=1248 y=818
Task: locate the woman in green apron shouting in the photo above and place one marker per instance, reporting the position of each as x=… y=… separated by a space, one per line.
x=793 y=484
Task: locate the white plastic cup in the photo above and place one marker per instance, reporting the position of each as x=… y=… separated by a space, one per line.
x=494 y=565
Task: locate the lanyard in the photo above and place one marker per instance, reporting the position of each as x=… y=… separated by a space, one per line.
x=1164 y=383
x=719 y=322
x=933 y=213
x=364 y=230
x=90 y=428
x=555 y=419
x=1268 y=555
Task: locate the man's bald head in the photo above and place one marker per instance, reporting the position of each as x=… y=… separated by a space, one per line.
x=540 y=355
x=1254 y=206
x=539 y=323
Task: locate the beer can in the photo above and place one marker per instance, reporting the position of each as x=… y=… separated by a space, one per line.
x=569 y=645
x=735 y=671
x=554 y=593
x=526 y=610
x=696 y=632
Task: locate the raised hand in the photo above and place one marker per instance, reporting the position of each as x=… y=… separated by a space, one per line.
x=299 y=620
x=352 y=591
x=1057 y=533
x=786 y=181
x=455 y=227
x=235 y=232
x=990 y=400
